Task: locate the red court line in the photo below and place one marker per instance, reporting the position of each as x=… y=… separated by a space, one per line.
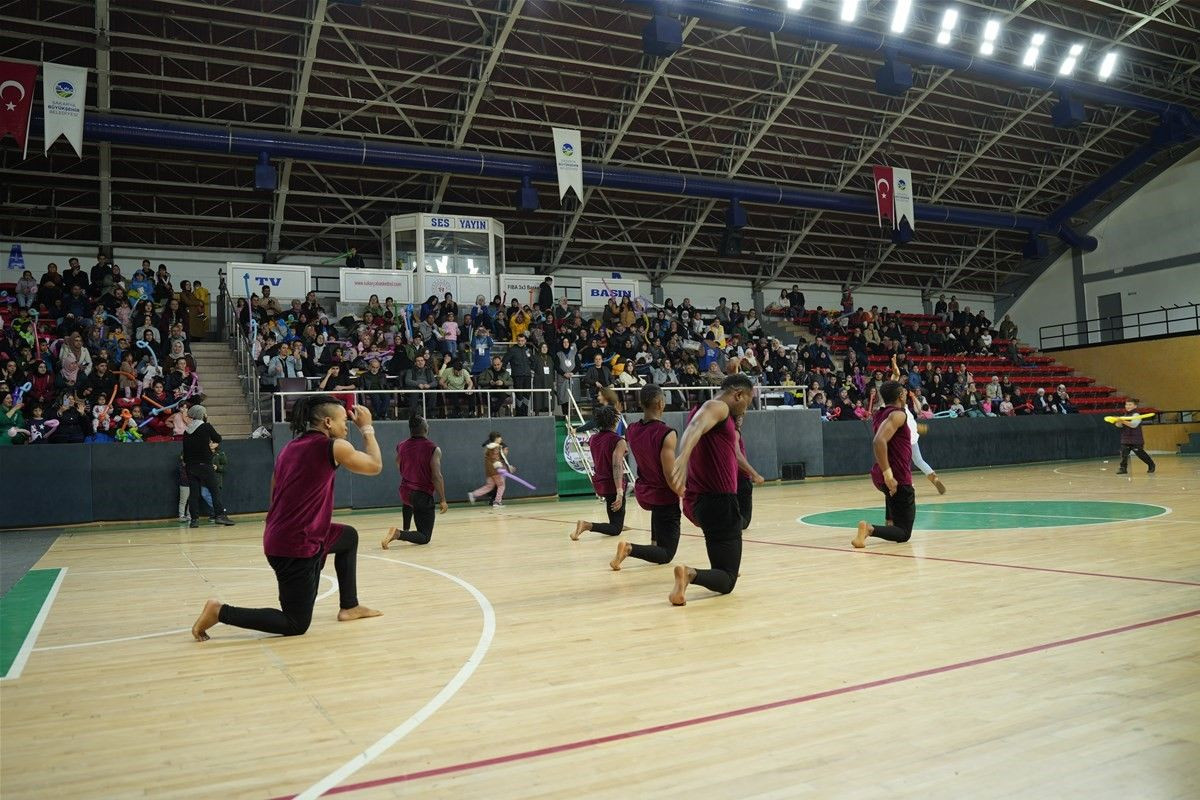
x=1026 y=567
x=741 y=712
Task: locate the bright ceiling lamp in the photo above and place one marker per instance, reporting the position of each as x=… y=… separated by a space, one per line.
x=1108 y=65
x=949 y=20
x=900 y=17
x=991 y=31
x=1035 y=46
x=795 y=5
x=849 y=10
x=1068 y=65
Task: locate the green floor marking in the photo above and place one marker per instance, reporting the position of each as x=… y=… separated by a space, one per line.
x=996 y=514
x=22 y=612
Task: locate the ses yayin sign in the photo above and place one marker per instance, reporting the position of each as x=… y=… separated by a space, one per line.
x=455 y=223
x=596 y=291
x=286 y=281
x=357 y=285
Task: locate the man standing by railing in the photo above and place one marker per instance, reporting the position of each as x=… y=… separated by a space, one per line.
x=519 y=361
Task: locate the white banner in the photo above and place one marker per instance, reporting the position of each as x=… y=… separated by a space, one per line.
x=904 y=197
x=518 y=287
x=596 y=291
x=64 y=91
x=287 y=281
x=357 y=285
x=568 y=154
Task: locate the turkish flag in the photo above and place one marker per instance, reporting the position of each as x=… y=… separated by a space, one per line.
x=16 y=101
x=884 y=197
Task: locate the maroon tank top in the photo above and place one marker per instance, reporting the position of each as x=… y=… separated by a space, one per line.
x=602 y=445
x=899 y=451
x=298 y=524
x=414 y=455
x=712 y=467
x=646 y=441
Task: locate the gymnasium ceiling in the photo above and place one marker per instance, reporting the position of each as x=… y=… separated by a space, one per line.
x=495 y=75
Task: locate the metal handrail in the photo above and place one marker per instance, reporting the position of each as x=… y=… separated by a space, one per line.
x=1083 y=330
x=282 y=403
x=761 y=392
x=239 y=344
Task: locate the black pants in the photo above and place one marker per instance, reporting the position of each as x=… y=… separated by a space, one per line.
x=721 y=520
x=745 y=498
x=664 y=536
x=1138 y=451
x=902 y=511
x=616 y=519
x=199 y=475
x=299 y=579
x=421 y=509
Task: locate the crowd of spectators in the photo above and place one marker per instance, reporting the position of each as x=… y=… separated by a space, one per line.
x=547 y=343
x=94 y=355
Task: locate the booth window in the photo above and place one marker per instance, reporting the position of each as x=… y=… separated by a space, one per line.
x=456 y=253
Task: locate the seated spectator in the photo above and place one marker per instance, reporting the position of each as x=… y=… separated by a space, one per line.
x=374 y=380
x=420 y=378
x=457 y=383
x=1006 y=406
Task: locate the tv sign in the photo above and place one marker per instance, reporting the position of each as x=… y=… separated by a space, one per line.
x=286 y=281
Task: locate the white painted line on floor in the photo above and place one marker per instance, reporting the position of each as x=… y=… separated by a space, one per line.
x=425 y=712
x=18 y=664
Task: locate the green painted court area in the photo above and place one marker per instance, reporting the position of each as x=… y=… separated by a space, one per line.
x=21 y=612
x=997 y=514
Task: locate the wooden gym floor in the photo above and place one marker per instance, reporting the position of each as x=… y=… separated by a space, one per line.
x=1049 y=653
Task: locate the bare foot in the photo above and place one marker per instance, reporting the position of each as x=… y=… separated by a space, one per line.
x=683 y=577
x=623 y=550
x=358 y=612
x=580 y=528
x=864 y=530
x=391 y=536
x=208 y=617
x=933 y=478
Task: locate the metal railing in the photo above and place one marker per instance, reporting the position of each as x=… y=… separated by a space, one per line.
x=1121 y=328
x=471 y=403
x=240 y=345
x=764 y=396
x=1173 y=417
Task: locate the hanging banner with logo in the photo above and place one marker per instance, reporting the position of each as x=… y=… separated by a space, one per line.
x=568 y=154
x=16 y=101
x=64 y=91
x=904 y=198
x=16 y=259
x=884 y=195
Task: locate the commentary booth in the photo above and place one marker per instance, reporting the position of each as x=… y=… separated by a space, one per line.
x=441 y=253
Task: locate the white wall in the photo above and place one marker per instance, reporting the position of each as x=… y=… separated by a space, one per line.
x=1049 y=301
x=1157 y=224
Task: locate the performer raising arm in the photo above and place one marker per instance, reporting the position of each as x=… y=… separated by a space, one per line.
x=892 y=473
x=299 y=532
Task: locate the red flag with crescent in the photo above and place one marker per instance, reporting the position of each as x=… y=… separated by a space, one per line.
x=884 y=195
x=16 y=101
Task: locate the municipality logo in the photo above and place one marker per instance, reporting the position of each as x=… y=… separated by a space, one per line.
x=568 y=150
x=64 y=89
x=901 y=184
x=578 y=456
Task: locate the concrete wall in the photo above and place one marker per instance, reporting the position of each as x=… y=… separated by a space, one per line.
x=1149 y=253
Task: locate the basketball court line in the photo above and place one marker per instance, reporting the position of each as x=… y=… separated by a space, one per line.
x=745 y=711
x=18 y=664
x=332 y=588
x=997 y=564
x=426 y=711
x=933 y=509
